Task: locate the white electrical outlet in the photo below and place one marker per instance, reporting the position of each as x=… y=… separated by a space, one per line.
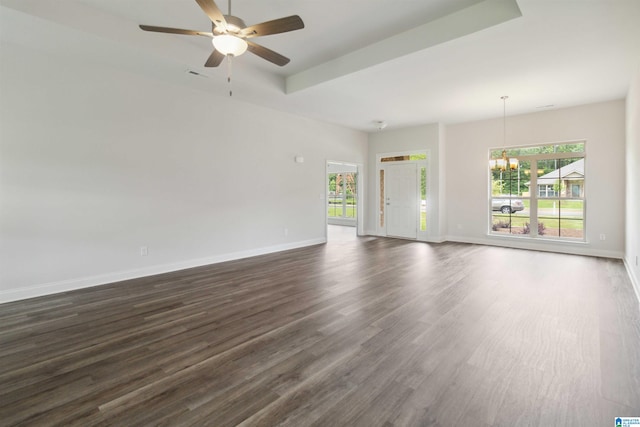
x=286 y=232
x=603 y=236
x=144 y=251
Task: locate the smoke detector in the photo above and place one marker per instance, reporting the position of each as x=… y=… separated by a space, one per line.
x=380 y=124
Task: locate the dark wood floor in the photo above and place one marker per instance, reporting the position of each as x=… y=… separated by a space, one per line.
x=370 y=332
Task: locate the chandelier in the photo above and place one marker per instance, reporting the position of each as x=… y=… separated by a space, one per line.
x=503 y=163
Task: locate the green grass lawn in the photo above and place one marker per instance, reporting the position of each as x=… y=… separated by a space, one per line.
x=548 y=204
x=549 y=222
x=336 y=211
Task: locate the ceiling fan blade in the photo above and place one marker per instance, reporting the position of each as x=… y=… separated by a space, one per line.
x=214 y=59
x=267 y=54
x=175 y=31
x=213 y=12
x=277 y=26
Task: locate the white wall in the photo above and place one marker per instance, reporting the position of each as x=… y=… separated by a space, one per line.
x=602 y=125
x=96 y=163
x=413 y=139
x=632 y=154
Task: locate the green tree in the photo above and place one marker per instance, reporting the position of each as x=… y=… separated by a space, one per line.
x=558 y=186
x=332 y=182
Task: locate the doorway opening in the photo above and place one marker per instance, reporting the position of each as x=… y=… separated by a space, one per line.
x=343 y=200
x=403 y=195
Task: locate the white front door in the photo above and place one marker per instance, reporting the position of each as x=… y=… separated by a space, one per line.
x=401 y=200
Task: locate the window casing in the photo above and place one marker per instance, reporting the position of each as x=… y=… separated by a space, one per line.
x=544 y=197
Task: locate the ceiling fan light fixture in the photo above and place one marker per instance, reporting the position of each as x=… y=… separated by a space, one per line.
x=229 y=45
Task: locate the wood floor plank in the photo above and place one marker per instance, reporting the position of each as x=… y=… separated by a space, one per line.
x=367 y=331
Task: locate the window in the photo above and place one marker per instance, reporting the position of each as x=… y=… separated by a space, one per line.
x=545 y=190
x=342 y=195
x=544 y=196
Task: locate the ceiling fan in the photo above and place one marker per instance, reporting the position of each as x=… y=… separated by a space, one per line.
x=231 y=37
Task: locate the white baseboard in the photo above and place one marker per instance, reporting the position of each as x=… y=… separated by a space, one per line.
x=555 y=246
x=432 y=239
x=8 y=295
x=635 y=281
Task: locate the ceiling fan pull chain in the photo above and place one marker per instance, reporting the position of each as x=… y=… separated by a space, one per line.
x=229 y=73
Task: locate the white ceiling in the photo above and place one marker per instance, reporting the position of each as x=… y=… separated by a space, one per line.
x=558 y=52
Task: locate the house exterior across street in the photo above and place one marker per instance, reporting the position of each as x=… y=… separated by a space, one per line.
x=568 y=181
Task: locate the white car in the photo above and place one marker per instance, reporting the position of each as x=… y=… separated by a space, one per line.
x=506 y=205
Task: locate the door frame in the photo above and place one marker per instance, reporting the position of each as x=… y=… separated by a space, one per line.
x=359 y=195
x=405 y=177
x=382 y=230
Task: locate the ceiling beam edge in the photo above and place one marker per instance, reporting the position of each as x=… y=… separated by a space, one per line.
x=458 y=24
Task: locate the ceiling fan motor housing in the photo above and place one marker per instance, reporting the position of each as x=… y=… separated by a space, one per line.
x=234 y=25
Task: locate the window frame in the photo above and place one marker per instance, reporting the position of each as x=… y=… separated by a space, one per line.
x=534 y=196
